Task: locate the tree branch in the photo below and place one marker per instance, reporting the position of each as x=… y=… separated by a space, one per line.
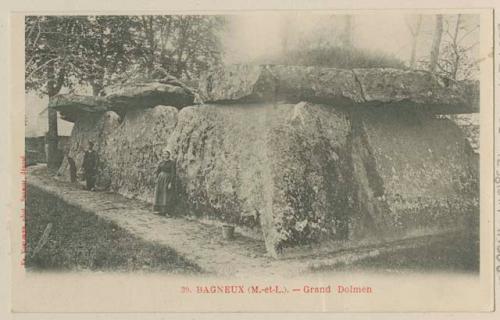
x=28 y=77
x=467 y=34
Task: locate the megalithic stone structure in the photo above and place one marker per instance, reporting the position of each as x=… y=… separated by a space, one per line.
x=299 y=156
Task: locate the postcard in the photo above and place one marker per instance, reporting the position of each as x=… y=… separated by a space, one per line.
x=271 y=161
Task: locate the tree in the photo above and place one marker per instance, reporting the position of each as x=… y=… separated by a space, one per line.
x=460 y=38
x=347 y=34
x=454 y=47
x=183 y=45
x=105 y=50
x=436 y=43
x=49 y=47
x=62 y=51
x=414 y=29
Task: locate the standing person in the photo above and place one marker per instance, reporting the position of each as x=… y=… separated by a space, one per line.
x=89 y=166
x=164 y=189
x=72 y=169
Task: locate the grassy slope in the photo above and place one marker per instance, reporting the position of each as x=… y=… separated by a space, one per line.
x=81 y=241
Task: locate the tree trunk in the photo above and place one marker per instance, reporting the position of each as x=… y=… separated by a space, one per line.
x=97 y=87
x=347 y=36
x=52 y=142
x=415 y=35
x=149 y=34
x=52 y=134
x=456 y=62
x=54 y=85
x=436 y=43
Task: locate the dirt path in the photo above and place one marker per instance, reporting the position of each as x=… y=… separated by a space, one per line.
x=198 y=242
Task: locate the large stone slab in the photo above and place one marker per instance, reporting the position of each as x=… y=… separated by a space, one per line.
x=131 y=153
x=430 y=92
x=121 y=98
x=273 y=83
x=368 y=176
x=287 y=84
x=237 y=82
x=413 y=174
x=128 y=148
x=222 y=163
x=311 y=177
x=378 y=86
x=72 y=106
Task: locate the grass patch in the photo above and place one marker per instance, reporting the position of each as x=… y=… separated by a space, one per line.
x=454 y=253
x=81 y=240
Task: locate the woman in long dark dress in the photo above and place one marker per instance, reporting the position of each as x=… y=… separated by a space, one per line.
x=164 y=190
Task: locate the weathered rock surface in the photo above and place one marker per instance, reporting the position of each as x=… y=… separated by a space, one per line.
x=469 y=123
x=309 y=163
x=222 y=162
x=72 y=106
x=365 y=159
x=296 y=173
x=340 y=87
x=273 y=83
x=413 y=174
x=93 y=127
x=289 y=84
x=120 y=98
x=435 y=94
x=133 y=150
x=238 y=82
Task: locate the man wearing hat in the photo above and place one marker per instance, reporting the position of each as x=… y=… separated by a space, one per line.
x=89 y=166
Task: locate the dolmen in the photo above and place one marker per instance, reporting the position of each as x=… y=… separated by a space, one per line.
x=299 y=157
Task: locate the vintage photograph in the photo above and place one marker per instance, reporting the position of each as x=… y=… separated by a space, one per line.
x=239 y=145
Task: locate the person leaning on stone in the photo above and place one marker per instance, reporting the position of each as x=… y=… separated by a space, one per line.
x=89 y=167
x=164 y=190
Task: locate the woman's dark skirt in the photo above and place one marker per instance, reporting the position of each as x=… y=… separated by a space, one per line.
x=164 y=197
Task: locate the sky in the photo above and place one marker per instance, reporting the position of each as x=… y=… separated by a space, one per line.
x=252 y=35
x=36 y=118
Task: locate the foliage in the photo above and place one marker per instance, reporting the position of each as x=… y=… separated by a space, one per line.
x=104 y=50
x=180 y=45
x=62 y=51
x=458 y=49
x=49 y=52
x=456 y=61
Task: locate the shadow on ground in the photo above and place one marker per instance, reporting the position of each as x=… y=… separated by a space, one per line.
x=453 y=253
x=79 y=240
